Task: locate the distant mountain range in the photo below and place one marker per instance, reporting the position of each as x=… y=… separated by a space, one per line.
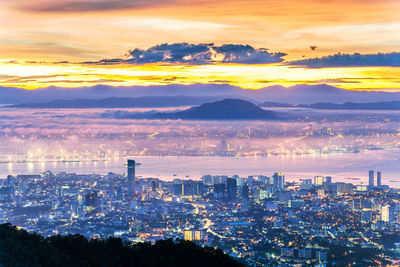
x=123 y=102
x=174 y=101
x=305 y=94
x=392 y=105
x=227 y=109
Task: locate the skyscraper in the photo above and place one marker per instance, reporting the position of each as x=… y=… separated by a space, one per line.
x=153 y=185
x=245 y=193
x=207 y=179
x=319 y=180
x=378 y=179
x=231 y=189
x=371 y=179
x=198 y=188
x=187 y=188
x=219 y=190
x=279 y=181
x=178 y=189
x=328 y=179
x=131 y=176
x=385 y=213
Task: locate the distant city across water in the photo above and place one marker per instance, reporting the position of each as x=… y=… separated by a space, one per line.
x=352 y=168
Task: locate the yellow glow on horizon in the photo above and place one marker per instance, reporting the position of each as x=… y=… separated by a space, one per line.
x=34 y=75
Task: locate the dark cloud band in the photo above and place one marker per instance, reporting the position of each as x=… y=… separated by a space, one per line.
x=89 y=5
x=247 y=55
x=197 y=54
x=352 y=60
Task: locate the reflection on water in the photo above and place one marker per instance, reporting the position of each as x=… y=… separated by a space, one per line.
x=341 y=167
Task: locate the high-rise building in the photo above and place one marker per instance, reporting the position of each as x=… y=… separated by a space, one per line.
x=371 y=179
x=239 y=181
x=198 y=188
x=388 y=213
x=9 y=179
x=153 y=185
x=385 y=213
x=378 y=179
x=207 y=179
x=231 y=189
x=219 y=190
x=131 y=176
x=187 y=188
x=319 y=180
x=245 y=193
x=341 y=188
x=279 y=181
x=328 y=179
x=306 y=184
x=178 y=189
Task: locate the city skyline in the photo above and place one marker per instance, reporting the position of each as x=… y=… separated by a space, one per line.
x=258 y=220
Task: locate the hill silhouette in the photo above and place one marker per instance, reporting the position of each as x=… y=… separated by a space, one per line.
x=227 y=109
x=20 y=248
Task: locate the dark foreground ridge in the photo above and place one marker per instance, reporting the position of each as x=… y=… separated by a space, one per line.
x=20 y=248
x=227 y=109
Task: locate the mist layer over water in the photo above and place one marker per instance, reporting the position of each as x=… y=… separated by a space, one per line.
x=343 y=144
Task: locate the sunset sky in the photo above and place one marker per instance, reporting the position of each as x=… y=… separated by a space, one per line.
x=247 y=43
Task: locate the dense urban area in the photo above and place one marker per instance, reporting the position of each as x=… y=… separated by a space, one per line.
x=259 y=220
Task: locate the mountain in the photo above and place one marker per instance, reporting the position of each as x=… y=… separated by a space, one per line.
x=20 y=248
x=10 y=95
x=123 y=102
x=302 y=93
x=393 y=105
x=227 y=109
